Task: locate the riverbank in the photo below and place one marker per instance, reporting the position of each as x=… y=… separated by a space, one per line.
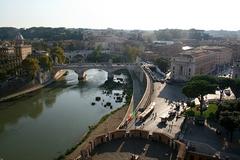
x=107 y=123
x=32 y=88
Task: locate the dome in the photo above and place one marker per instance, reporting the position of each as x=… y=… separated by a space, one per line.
x=19 y=37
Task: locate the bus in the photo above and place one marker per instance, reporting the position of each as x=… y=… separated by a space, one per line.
x=147 y=112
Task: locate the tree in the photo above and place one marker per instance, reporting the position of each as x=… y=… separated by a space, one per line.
x=3 y=74
x=97 y=52
x=45 y=63
x=235 y=87
x=162 y=63
x=229 y=123
x=31 y=67
x=198 y=87
x=223 y=83
x=58 y=52
x=132 y=53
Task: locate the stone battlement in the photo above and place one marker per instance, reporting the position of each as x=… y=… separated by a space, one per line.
x=180 y=147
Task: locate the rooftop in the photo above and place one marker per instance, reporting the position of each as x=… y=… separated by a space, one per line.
x=203 y=50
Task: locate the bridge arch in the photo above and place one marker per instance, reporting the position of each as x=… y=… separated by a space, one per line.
x=83 y=73
x=80 y=69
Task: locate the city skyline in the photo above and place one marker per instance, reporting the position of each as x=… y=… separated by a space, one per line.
x=144 y=15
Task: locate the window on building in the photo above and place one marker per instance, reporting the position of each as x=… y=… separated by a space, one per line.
x=173 y=67
x=181 y=70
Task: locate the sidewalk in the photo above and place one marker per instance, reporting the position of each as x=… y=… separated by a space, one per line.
x=162 y=108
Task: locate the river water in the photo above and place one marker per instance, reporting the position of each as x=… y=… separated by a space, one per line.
x=44 y=124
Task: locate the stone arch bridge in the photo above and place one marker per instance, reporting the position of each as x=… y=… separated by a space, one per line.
x=81 y=68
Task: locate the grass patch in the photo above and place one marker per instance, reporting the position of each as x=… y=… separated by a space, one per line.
x=211 y=110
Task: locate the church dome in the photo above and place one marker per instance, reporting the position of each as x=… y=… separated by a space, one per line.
x=19 y=37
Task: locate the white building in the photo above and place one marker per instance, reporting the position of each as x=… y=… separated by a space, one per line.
x=200 y=60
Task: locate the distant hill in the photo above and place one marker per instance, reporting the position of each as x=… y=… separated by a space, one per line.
x=224 y=34
x=46 y=33
x=56 y=34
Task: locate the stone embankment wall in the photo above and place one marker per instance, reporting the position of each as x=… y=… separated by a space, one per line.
x=147 y=81
x=146 y=98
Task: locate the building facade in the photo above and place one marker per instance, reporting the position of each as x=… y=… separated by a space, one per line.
x=11 y=56
x=22 y=50
x=8 y=58
x=198 y=61
x=236 y=69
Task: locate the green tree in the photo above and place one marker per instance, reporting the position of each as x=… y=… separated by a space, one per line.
x=58 y=52
x=132 y=53
x=198 y=87
x=31 y=67
x=97 y=53
x=229 y=123
x=45 y=63
x=3 y=74
x=235 y=87
x=162 y=64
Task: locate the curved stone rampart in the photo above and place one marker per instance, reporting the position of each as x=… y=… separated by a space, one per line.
x=180 y=147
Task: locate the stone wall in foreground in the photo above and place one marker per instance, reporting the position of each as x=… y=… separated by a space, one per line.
x=85 y=154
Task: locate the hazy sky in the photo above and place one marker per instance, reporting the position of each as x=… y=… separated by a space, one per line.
x=122 y=14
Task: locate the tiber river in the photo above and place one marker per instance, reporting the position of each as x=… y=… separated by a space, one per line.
x=44 y=124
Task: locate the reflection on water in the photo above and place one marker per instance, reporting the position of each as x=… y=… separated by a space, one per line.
x=44 y=124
